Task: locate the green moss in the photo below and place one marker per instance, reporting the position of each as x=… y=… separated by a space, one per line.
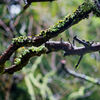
x=19 y=39
x=43 y=33
x=28 y=53
x=22 y=40
x=17 y=61
x=81 y=13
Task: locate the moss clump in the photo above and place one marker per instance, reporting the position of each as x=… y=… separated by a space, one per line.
x=17 y=61
x=19 y=39
x=81 y=13
x=22 y=40
x=28 y=53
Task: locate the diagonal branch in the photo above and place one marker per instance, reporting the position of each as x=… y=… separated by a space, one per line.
x=82 y=12
x=80 y=76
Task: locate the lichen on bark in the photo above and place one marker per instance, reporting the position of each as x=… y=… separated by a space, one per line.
x=82 y=12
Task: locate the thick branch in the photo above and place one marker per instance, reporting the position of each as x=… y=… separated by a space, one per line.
x=82 y=12
x=49 y=47
x=55 y=46
x=23 y=59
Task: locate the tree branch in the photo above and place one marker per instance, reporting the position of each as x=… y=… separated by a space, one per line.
x=45 y=35
x=80 y=76
x=49 y=47
x=82 y=12
x=24 y=58
x=66 y=46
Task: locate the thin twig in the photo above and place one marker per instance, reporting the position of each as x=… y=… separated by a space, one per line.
x=80 y=76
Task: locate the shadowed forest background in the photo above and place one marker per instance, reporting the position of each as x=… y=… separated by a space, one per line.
x=43 y=78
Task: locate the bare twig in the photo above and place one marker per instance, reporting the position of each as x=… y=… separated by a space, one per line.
x=80 y=76
x=76 y=66
x=6 y=28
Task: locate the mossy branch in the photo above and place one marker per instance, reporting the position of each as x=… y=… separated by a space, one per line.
x=49 y=47
x=82 y=12
x=21 y=61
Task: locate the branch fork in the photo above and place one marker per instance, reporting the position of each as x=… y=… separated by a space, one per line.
x=42 y=39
